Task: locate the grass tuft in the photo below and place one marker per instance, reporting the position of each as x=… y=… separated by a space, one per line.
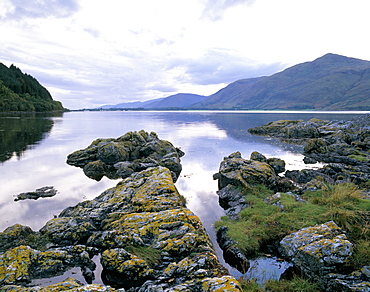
x=263 y=223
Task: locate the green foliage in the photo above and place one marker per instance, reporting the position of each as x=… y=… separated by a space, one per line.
x=263 y=223
x=151 y=255
x=250 y=286
x=21 y=92
x=358 y=157
x=361 y=255
x=297 y=284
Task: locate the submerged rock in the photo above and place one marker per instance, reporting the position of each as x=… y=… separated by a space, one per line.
x=132 y=152
x=43 y=192
x=147 y=238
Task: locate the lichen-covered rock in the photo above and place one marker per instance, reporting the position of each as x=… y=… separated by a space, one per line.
x=132 y=152
x=68 y=230
x=69 y=284
x=237 y=171
x=125 y=269
x=345 y=143
x=21 y=264
x=318 y=250
x=276 y=163
x=14 y=236
x=144 y=233
x=354 y=282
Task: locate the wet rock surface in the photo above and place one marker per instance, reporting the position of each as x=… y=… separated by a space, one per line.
x=130 y=153
x=148 y=241
x=44 y=192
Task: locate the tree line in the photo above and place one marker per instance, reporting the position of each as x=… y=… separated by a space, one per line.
x=22 y=92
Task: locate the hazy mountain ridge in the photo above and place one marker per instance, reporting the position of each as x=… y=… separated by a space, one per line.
x=331 y=82
x=180 y=100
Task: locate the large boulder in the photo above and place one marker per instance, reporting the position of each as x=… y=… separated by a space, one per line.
x=132 y=152
x=318 y=250
x=146 y=238
x=240 y=172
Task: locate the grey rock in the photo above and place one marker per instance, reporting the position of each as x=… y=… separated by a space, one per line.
x=132 y=152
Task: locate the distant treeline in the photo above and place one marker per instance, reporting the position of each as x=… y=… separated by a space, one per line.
x=22 y=92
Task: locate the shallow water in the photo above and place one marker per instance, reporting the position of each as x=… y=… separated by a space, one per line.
x=33 y=151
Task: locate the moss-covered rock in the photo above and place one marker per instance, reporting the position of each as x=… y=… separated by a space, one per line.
x=132 y=152
x=237 y=171
x=14 y=235
x=318 y=250
x=144 y=233
x=22 y=264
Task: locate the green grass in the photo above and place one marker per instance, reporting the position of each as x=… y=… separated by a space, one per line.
x=359 y=157
x=151 y=255
x=297 y=284
x=264 y=223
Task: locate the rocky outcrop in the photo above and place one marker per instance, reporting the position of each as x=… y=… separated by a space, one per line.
x=237 y=175
x=322 y=252
x=130 y=153
x=232 y=254
x=239 y=172
x=342 y=144
x=44 y=192
x=146 y=238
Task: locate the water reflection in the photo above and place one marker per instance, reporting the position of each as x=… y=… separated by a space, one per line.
x=18 y=133
x=205 y=137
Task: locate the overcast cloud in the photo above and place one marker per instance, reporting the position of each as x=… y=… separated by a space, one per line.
x=89 y=53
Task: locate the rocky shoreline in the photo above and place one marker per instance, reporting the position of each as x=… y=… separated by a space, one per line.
x=146 y=238
x=321 y=252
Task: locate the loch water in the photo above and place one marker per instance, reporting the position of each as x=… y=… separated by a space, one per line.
x=34 y=148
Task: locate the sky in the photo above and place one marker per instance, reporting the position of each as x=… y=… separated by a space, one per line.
x=90 y=53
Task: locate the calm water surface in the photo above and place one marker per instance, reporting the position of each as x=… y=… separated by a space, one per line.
x=33 y=151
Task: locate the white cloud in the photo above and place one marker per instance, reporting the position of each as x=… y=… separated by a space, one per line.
x=90 y=53
x=19 y=9
x=215 y=9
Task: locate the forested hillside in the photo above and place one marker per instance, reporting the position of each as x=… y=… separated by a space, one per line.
x=22 y=92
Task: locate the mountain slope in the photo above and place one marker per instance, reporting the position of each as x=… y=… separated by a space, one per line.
x=180 y=100
x=22 y=92
x=331 y=82
x=130 y=105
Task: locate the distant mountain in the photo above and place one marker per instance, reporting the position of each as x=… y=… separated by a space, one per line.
x=131 y=105
x=180 y=100
x=22 y=92
x=177 y=101
x=331 y=82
